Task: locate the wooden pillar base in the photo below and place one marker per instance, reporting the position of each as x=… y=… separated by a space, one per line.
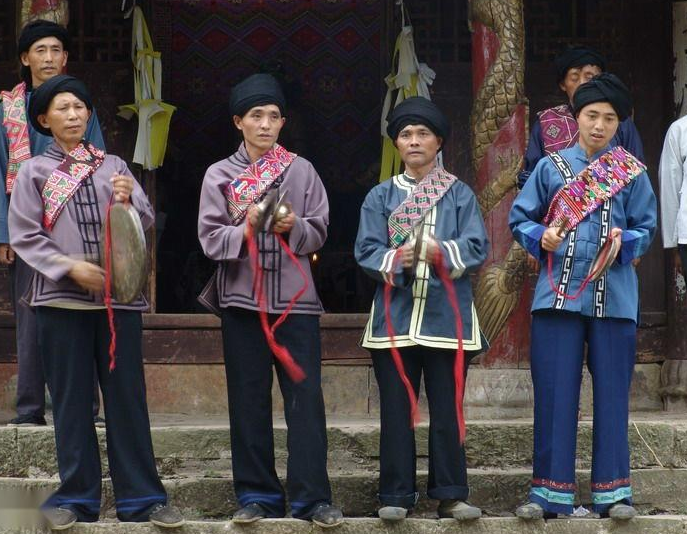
x=673 y=388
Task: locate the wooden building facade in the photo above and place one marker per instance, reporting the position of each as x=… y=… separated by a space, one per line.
x=333 y=56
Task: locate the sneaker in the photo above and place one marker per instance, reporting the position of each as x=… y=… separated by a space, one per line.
x=249 y=513
x=392 y=513
x=166 y=516
x=622 y=512
x=59 y=518
x=99 y=421
x=459 y=510
x=530 y=510
x=327 y=515
x=28 y=420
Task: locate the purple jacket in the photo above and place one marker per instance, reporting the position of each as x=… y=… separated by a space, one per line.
x=223 y=242
x=76 y=233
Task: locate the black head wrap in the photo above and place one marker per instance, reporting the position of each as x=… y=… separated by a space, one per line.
x=256 y=90
x=605 y=87
x=578 y=56
x=43 y=95
x=418 y=110
x=35 y=31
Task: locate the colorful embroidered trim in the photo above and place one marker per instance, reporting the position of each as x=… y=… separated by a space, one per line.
x=565 y=486
x=605 y=486
x=252 y=184
x=554 y=496
x=599 y=181
x=79 y=164
x=610 y=497
x=17 y=128
x=423 y=198
x=559 y=128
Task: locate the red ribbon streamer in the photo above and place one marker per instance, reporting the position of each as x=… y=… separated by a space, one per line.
x=459 y=365
x=395 y=354
x=280 y=351
x=585 y=282
x=108 y=286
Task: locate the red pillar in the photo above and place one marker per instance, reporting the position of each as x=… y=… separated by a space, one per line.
x=499 y=133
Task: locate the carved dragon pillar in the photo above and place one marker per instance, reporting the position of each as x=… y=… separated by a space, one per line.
x=499 y=131
x=54 y=10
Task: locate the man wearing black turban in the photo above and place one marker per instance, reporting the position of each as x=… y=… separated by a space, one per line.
x=42 y=48
x=396 y=248
x=59 y=235
x=556 y=128
x=605 y=87
x=586 y=213
x=273 y=248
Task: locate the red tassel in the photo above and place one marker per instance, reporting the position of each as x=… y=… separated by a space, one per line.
x=583 y=285
x=395 y=354
x=303 y=288
x=108 y=287
x=281 y=352
x=459 y=366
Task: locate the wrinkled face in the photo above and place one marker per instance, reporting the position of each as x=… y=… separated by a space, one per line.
x=67 y=118
x=418 y=145
x=46 y=58
x=260 y=126
x=598 y=123
x=577 y=76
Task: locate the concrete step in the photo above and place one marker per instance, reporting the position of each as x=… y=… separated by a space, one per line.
x=353 y=445
x=351 y=390
x=641 y=525
x=498 y=492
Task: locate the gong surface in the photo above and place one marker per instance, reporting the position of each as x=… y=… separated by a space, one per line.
x=129 y=253
x=605 y=257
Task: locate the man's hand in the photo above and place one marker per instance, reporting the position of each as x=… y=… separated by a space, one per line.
x=285 y=224
x=407 y=253
x=89 y=276
x=6 y=254
x=550 y=241
x=123 y=186
x=251 y=220
x=431 y=250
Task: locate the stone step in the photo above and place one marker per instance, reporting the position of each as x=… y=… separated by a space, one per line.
x=498 y=492
x=351 y=390
x=667 y=524
x=30 y=452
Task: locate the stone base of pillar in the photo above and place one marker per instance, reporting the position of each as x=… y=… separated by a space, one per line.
x=673 y=388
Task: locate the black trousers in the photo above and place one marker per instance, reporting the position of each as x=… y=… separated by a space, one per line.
x=74 y=343
x=30 y=380
x=248 y=362
x=397 y=457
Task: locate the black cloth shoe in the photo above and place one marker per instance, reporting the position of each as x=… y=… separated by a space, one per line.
x=59 y=518
x=166 y=516
x=392 y=513
x=28 y=420
x=249 y=513
x=327 y=515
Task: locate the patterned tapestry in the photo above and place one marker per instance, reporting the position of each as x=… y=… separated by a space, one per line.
x=327 y=53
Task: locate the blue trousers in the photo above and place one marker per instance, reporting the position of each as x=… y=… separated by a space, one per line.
x=558 y=342
x=249 y=362
x=74 y=343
